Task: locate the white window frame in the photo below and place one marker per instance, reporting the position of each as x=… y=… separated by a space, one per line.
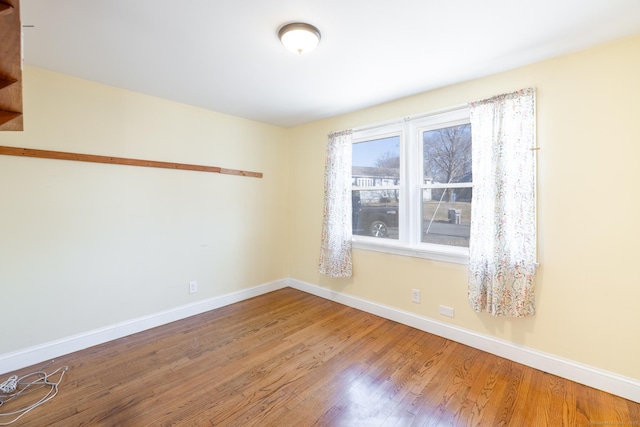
x=411 y=184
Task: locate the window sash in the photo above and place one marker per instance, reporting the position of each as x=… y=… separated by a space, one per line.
x=449 y=185
x=375 y=188
x=411 y=186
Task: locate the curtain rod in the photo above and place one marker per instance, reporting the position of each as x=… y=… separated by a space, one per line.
x=409 y=118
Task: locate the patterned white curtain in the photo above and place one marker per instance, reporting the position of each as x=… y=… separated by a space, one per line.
x=502 y=249
x=335 y=253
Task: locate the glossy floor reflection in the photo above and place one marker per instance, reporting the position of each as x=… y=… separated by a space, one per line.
x=288 y=358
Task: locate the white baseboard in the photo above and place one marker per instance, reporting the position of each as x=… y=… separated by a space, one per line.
x=610 y=382
x=48 y=351
x=628 y=388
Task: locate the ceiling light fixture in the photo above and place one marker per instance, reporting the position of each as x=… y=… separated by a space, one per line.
x=299 y=37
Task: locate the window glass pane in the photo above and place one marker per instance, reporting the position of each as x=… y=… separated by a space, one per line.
x=446 y=216
x=447 y=154
x=376 y=162
x=375 y=213
x=434 y=187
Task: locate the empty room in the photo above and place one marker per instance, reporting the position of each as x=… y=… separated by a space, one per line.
x=297 y=213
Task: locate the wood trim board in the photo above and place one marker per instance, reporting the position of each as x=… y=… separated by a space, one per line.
x=60 y=155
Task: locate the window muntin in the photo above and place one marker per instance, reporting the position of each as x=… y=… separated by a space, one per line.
x=431 y=198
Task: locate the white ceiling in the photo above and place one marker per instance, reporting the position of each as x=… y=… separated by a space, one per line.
x=225 y=55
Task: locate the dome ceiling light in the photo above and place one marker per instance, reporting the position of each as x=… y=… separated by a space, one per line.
x=299 y=37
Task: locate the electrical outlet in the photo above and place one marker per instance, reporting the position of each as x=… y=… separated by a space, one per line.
x=415 y=295
x=193 y=287
x=447 y=311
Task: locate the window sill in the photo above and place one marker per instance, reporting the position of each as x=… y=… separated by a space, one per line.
x=451 y=254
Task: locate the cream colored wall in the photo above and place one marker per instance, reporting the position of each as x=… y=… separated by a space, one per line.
x=588 y=287
x=84 y=246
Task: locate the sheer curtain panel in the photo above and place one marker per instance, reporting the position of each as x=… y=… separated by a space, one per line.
x=335 y=252
x=502 y=247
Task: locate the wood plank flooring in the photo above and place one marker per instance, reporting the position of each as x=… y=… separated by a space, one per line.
x=288 y=358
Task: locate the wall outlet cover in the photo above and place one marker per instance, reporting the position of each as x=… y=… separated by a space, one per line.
x=415 y=295
x=193 y=287
x=447 y=311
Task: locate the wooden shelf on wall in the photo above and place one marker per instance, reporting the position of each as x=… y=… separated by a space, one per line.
x=10 y=66
x=7 y=116
x=5 y=8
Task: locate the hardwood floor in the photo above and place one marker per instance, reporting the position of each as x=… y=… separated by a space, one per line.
x=288 y=358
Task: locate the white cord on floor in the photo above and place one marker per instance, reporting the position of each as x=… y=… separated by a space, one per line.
x=15 y=387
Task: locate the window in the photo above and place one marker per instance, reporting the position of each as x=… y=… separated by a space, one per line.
x=376 y=187
x=412 y=186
